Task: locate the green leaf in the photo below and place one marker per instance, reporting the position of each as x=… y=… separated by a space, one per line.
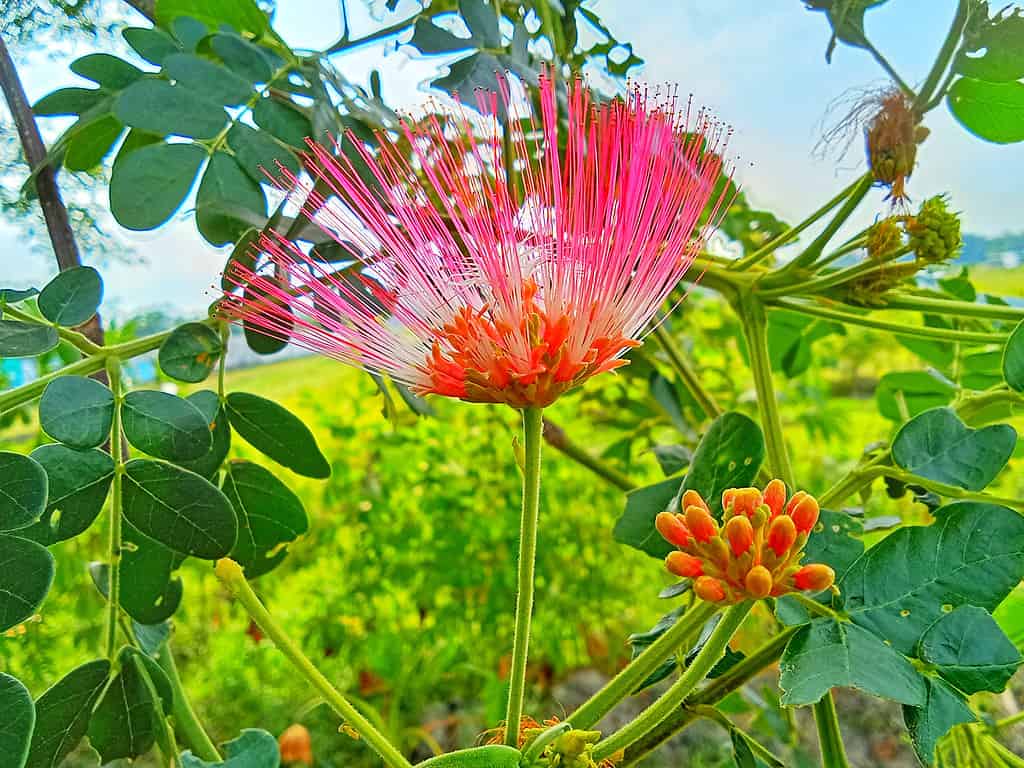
x=244 y=253
x=242 y=57
x=208 y=403
x=254 y=749
x=72 y=297
x=258 y=341
x=970 y=651
x=23 y=490
x=190 y=352
x=1013 y=359
x=17 y=718
x=150 y=592
x=943 y=708
x=149 y=184
x=243 y=15
x=847 y=20
x=20 y=339
x=151 y=636
x=917 y=390
x=999 y=47
x=62 y=714
x=728 y=456
x=189 y=31
x=125 y=722
x=991 y=111
x=79 y=481
x=76 y=411
x=283 y=121
x=179 y=509
x=258 y=153
x=152 y=44
x=226 y=187
x=479 y=70
x=108 y=71
x=24 y=579
x=489 y=756
x=208 y=78
x=14 y=295
x=972 y=555
x=428 y=38
x=937 y=445
x=90 y=144
x=269 y=516
x=827 y=654
x=158 y=107
x=277 y=433
x=482 y=21
x=68 y=101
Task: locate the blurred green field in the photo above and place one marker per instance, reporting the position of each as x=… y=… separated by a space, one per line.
x=998 y=280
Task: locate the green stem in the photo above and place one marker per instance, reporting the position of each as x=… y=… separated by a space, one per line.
x=626 y=682
x=225 y=336
x=813 y=606
x=189 y=728
x=76 y=339
x=855 y=244
x=1009 y=758
x=689 y=378
x=344 y=44
x=924 y=96
x=1006 y=722
x=951 y=307
x=832 y=279
x=230 y=573
x=755 y=329
x=883 y=62
x=949 y=491
x=830 y=739
x=114 y=545
x=533 y=421
x=673 y=698
x=556 y=437
x=900 y=329
x=790 y=234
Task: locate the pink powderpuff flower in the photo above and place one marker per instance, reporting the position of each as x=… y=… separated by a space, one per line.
x=473 y=287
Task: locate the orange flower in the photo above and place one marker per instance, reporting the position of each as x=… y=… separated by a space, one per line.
x=296 y=746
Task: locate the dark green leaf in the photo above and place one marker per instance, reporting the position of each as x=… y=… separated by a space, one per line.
x=209 y=405
x=243 y=15
x=283 y=121
x=258 y=341
x=165 y=425
x=943 y=708
x=970 y=650
x=25 y=579
x=76 y=411
x=151 y=636
x=208 y=78
x=90 y=144
x=17 y=718
x=157 y=106
x=23 y=490
x=269 y=516
x=79 y=481
x=996 y=48
x=991 y=111
x=189 y=31
x=242 y=57
x=19 y=339
x=917 y=390
x=482 y=21
x=258 y=153
x=938 y=446
x=972 y=555
x=827 y=654
x=636 y=525
x=62 y=714
x=68 y=101
x=672 y=458
x=72 y=297
x=847 y=20
x=1013 y=359
x=109 y=71
x=179 y=509
x=150 y=592
x=253 y=749
x=429 y=38
x=190 y=352
x=149 y=184
x=225 y=187
x=276 y=433
x=14 y=295
x=479 y=70
x=154 y=45
x=244 y=253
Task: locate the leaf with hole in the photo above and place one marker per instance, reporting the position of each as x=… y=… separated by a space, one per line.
x=277 y=433
x=149 y=184
x=76 y=411
x=25 y=578
x=190 y=352
x=62 y=714
x=17 y=719
x=179 y=509
x=970 y=651
x=78 y=482
x=994 y=51
x=72 y=297
x=23 y=491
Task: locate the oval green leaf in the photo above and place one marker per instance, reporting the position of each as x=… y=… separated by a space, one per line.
x=79 y=482
x=157 y=106
x=90 y=144
x=68 y=101
x=165 y=425
x=24 y=579
x=23 y=491
x=72 y=297
x=1013 y=359
x=242 y=57
x=20 y=339
x=190 y=352
x=208 y=403
x=283 y=121
x=991 y=111
x=258 y=153
x=109 y=71
x=18 y=715
x=970 y=651
x=228 y=202
x=62 y=714
x=76 y=411
x=277 y=433
x=152 y=44
x=149 y=184
x=214 y=82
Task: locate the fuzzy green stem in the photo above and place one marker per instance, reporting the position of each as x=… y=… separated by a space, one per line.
x=533 y=421
x=830 y=739
x=689 y=378
x=626 y=682
x=673 y=698
x=231 y=575
x=835 y=278
x=556 y=437
x=189 y=728
x=114 y=544
x=952 y=307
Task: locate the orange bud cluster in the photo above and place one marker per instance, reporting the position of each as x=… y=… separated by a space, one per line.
x=754 y=553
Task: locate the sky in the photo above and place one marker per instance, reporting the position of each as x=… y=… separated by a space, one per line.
x=759 y=66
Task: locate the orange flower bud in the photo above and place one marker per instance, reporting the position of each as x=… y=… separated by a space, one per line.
x=758 y=581
x=745 y=501
x=672 y=529
x=781 y=535
x=701 y=524
x=775 y=496
x=804 y=513
x=693 y=499
x=794 y=500
x=682 y=564
x=296 y=747
x=709 y=589
x=727 y=498
x=740 y=534
x=814 y=578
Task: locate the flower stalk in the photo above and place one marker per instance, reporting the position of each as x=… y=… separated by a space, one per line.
x=113 y=366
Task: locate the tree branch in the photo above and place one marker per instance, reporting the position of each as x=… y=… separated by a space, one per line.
x=146 y=7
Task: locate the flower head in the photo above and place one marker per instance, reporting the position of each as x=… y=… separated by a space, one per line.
x=754 y=553
x=295 y=745
x=467 y=284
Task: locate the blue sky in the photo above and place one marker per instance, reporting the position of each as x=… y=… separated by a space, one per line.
x=759 y=65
